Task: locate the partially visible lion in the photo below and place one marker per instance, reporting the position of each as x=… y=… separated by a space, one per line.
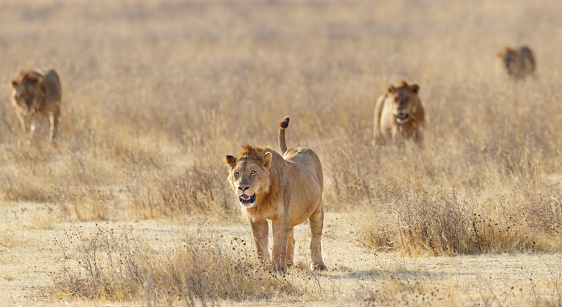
x=517 y=63
x=36 y=94
x=399 y=115
x=286 y=189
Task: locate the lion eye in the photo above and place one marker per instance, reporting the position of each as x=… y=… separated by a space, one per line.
x=253 y=173
x=236 y=174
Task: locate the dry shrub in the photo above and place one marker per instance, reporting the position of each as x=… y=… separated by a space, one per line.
x=436 y=226
x=201 y=189
x=24 y=178
x=349 y=184
x=113 y=265
x=15 y=188
x=453 y=224
x=87 y=204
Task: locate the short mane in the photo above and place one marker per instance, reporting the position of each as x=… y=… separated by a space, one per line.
x=403 y=84
x=28 y=76
x=252 y=152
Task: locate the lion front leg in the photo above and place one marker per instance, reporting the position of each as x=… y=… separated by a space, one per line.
x=280 y=235
x=290 y=247
x=53 y=126
x=316 y=226
x=24 y=123
x=418 y=138
x=260 y=233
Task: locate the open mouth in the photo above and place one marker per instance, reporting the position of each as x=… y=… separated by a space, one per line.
x=401 y=117
x=247 y=200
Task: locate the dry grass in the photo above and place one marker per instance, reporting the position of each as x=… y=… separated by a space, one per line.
x=156 y=93
x=449 y=225
x=114 y=265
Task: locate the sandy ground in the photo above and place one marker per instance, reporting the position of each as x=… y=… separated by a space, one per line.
x=30 y=258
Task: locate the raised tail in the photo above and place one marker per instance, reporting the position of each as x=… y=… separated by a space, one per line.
x=282 y=126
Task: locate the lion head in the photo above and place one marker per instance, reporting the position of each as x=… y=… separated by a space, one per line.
x=249 y=174
x=509 y=59
x=404 y=101
x=29 y=91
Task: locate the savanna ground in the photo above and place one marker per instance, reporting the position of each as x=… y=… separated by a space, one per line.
x=133 y=206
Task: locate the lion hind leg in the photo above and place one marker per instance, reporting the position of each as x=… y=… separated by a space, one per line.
x=316 y=226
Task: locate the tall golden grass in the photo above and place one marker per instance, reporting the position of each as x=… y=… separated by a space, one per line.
x=155 y=93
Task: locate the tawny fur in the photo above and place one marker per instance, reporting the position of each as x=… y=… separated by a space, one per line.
x=517 y=63
x=399 y=115
x=288 y=191
x=37 y=94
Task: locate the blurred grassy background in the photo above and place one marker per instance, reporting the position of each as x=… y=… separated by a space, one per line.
x=156 y=93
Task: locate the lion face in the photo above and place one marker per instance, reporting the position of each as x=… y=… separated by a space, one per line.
x=509 y=60
x=249 y=177
x=28 y=93
x=404 y=101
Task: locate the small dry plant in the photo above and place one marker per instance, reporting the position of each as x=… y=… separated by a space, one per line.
x=398 y=291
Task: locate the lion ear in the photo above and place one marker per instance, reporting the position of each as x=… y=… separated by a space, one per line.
x=266 y=161
x=415 y=88
x=230 y=161
x=14 y=84
x=391 y=89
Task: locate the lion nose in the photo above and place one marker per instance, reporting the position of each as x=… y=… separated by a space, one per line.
x=400 y=107
x=243 y=188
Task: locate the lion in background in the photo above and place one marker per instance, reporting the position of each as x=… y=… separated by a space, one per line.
x=399 y=115
x=37 y=94
x=286 y=189
x=517 y=63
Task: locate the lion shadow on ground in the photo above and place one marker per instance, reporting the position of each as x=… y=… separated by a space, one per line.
x=398 y=274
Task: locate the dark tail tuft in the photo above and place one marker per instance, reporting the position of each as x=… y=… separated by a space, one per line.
x=284 y=123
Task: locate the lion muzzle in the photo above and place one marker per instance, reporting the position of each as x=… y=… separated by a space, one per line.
x=247 y=201
x=402 y=117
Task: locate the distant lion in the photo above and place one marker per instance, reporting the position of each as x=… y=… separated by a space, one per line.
x=399 y=115
x=37 y=93
x=286 y=189
x=517 y=63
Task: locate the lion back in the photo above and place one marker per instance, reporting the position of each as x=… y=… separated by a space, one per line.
x=527 y=60
x=308 y=160
x=53 y=90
